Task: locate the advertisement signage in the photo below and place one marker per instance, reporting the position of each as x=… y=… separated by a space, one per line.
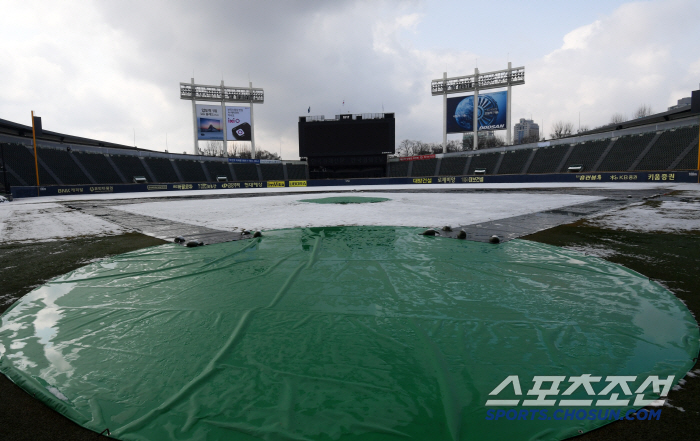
x=238 y=123
x=210 y=122
x=491 y=112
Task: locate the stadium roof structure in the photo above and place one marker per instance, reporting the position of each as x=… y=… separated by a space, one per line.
x=15 y=129
x=669 y=115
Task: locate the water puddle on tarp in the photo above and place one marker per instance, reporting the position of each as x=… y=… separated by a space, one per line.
x=371 y=333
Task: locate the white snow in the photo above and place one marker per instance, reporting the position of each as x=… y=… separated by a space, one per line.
x=669 y=216
x=49 y=221
x=403 y=209
x=43 y=219
x=366 y=188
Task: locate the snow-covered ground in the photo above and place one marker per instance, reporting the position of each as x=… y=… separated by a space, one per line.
x=41 y=221
x=44 y=219
x=666 y=216
x=403 y=209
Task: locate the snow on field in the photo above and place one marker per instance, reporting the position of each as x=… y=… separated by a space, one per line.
x=404 y=209
x=344 y=188
x=49 y=221
x=666 y=216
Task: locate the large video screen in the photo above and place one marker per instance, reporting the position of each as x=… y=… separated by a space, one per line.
x=492 y=112
x=347 y=137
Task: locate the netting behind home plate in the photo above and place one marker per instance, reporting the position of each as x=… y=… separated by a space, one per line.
x=337 y=333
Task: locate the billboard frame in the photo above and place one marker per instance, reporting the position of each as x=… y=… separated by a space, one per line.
x=221 y=94
x=513 y=76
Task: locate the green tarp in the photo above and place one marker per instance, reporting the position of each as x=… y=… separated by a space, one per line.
x=367 y=333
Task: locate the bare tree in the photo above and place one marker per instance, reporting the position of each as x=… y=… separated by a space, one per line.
x=618 y=118
x=582 y=129
x=212 y=148
x=642 y=111
x=560 y=129
x=244 y=153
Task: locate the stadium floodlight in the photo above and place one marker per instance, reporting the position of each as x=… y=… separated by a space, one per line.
x=222 y=94
x=513 y=76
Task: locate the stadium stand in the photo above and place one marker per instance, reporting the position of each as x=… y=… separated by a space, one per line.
x=689 y=161
x=163 y=169
x=100 y=169
x=425 y=167
x=586 y=154
x=63 y=166
x=625 y=151
x=246 y=172
x=513 y=162
x=484 y=161
x=129 y=166
x=191 y=171
x=398 y=169
x=217 y=168
x=547 y=159
x=296 y=171
x=21 y=161
x=272 y=172
x=666 y=149
x=452 y=166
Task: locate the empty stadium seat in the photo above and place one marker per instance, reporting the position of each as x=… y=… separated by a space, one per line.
x=484 y=161
x=296 y=172
x=514 y=161
x=272 y=172
x=98 y=167
x=218 y=168
x=625 y=151
x=398 y=169
x=163 y=169
x=547 y=159
x=129 y=166
x=191 y=171
x=425 y=167
x=452 y=166
x=246 y=172
x=666 y=149
x=586 y=154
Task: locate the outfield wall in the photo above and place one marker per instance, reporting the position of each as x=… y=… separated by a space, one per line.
x=66 y=190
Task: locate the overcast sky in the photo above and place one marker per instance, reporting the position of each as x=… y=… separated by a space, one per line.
x=107 y=69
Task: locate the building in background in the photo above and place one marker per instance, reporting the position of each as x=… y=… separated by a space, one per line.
x=681 y=103
x=526 y=131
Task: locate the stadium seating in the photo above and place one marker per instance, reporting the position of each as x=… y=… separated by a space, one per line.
x=272 y=172
x=398 y=169
x=191 y=171
x=296 y=172
x=666 y=149
x=514 y=161
x=625 y=151
x=21 y=161
x=99 y=168
x=586 y=154
x=246 y=172
x=689 y=161
x=426 y=167
x=63 y=166
x=130 y=166
x=163 y=169
x=452 y=166
x=547 y=159
x=484 y=161
x=217 y=168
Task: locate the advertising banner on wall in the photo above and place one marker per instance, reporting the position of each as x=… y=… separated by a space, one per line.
x=210 y=122
x=238 y=123
x=491 y=108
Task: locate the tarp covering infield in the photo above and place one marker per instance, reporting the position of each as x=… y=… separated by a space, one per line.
x=368 y=333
